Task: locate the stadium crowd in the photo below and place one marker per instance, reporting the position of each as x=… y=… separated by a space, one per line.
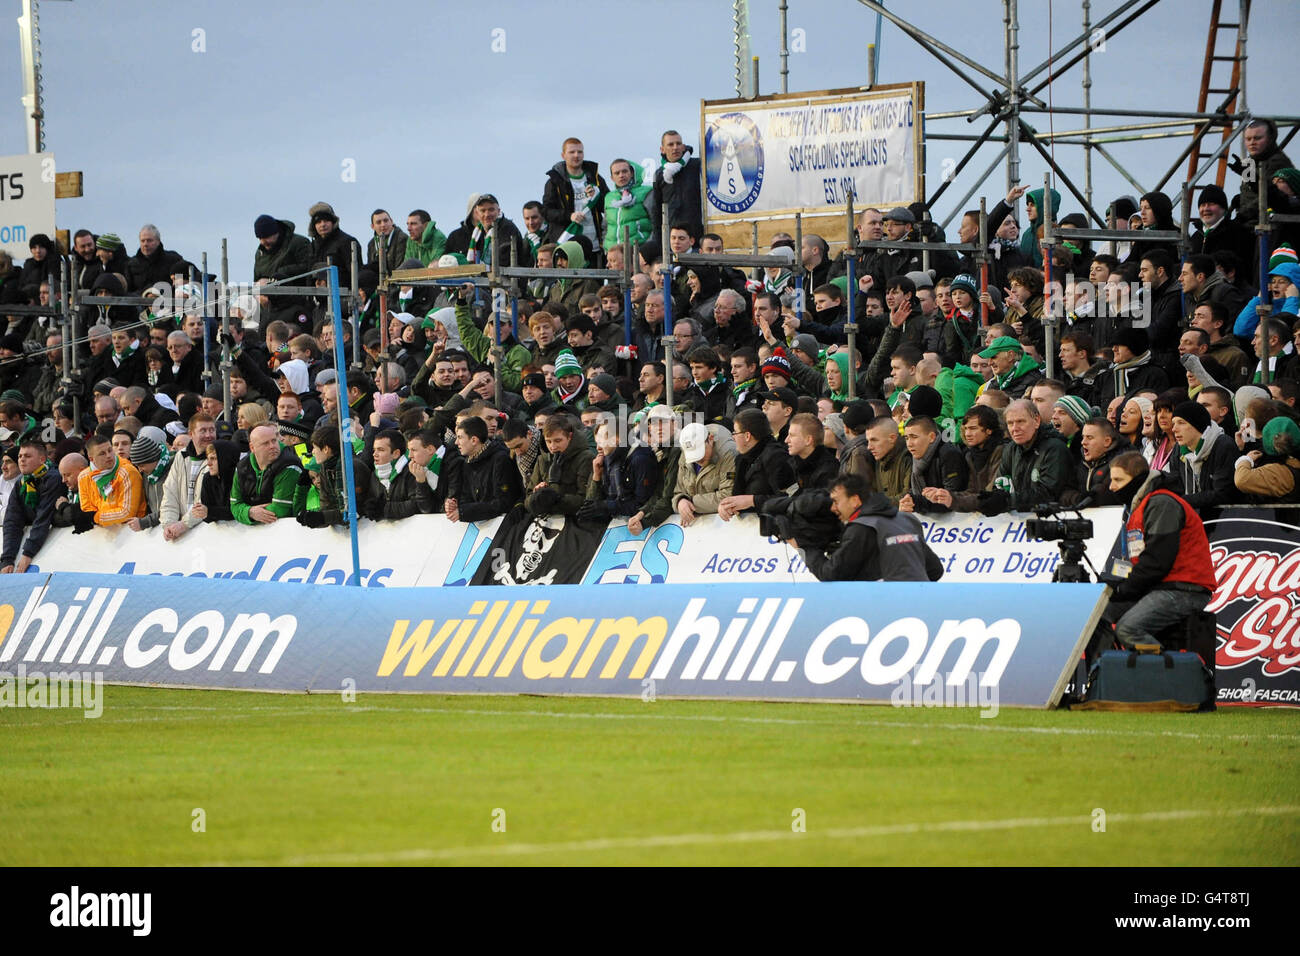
x=954 y=412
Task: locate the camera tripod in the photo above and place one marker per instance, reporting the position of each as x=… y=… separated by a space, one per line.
x=1074 y=554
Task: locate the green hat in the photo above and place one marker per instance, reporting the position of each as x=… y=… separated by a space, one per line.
x=566 y=363
x=1076 y=408
x=841 y=283
x=1281 y=425
x=1003 y=343
x=109 y=242
x=1282 y=255
x=13 y=395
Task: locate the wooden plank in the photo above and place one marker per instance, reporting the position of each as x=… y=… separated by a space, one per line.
x=67 y=185
x=448 y=272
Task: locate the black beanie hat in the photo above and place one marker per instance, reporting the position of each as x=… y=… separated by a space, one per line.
x=1194 y=414
x=265 y=226
x=924 y=400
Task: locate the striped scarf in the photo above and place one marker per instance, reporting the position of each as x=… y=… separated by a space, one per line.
x=30 y=488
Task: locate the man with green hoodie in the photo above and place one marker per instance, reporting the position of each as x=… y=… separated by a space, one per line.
x=1030 y=238
x=424 y=240
x=569 y=292
x=1014 y=372
x=628 y=205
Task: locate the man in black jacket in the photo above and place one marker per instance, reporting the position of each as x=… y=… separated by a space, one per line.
x=935 y=464
x=328 y=241
x=1207 y=460
x=622 y=479
x=333 y=494
x=677 y=184
x=152 y=263
x=877 y=541
x=1165 y=309
x=31 y=502
x=489 y=483
x=400 y=493
x=806 y=512
x=763 y=468
x=573 y=199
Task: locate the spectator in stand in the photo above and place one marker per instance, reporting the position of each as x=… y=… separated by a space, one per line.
x=706 y=473
x=154 y=460
x=1164 y=444
x=779 y=406
x=1131 y=422
x=1263 y=160
x=982 y=438
x=560 y=478
x=185 y=481
x=266 y=481
x=385 y=235
x=893 y=465
x=110 y=488
x=424 y=240
x=1218 y=402
x=489 y=484
x=877 y=542
x=1283 y=279
x=433 y=469
x=1014 y=372
x=763 y=467
x=1274 y=479
x=152 y=263
x=1217 y=230
x=815 y=467
x=1132 y=370
x=1202 y=284
x=281 y=255
x=709 y=392
x=473 y=239
x=32 y=502
x=1036 y=467
x=622 y=479
x=629 y=205
x=573 y=198
x=676 y=185
x=1280 y=364
x=330 y=242
x=1077 y=369
x=1158 y=274
x=1212 y=318
x=1207 y=458
x=660 y=429
x=936 y=464
x=1101 y=444
x=331 y=482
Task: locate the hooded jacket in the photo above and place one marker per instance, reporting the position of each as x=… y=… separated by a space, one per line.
x=336 y=247
x=1030 y=237
x=569 y=292
x=629 y=208
x=1023 y=376
x=1208 y=471
x=479 y=346
x=290 y=256
x=429 y=247
x=558 y=200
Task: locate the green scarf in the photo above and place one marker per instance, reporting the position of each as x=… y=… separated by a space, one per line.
x=105 y=478
x=707 y=387
x=738 y=388
x=160 y=469
x=30 y=486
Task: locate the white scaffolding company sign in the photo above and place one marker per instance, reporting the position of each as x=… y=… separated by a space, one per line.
x=26 y=201
x=807 y=152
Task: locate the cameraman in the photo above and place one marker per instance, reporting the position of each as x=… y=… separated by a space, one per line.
x=878 y=541
x=1170 y=573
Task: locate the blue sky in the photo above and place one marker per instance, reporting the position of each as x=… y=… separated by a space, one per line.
x=201 y=143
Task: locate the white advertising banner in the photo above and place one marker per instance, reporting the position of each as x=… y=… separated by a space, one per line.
x=26 y=201
x=423 y=550
x=808 y=152
x=431 y=551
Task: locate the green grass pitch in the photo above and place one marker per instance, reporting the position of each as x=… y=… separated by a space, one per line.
x=457 y=780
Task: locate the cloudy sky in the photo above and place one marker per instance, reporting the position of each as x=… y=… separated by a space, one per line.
x=198 y=115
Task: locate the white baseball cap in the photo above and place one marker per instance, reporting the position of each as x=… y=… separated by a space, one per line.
x=694 y=439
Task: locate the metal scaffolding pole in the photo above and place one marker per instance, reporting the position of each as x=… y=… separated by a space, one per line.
x=1087 y=100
